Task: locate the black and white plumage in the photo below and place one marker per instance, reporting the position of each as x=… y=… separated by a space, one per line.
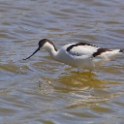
x=79 y=55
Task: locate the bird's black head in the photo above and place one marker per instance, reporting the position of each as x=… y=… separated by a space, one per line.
x=40 y=44
x=43 y=41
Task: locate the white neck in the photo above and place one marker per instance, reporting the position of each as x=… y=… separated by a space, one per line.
x=50 y=48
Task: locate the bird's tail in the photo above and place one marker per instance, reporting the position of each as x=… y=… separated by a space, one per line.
x=122 y=50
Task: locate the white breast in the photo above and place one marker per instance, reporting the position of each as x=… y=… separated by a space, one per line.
x=77 y=56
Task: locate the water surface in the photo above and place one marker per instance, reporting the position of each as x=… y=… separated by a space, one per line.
x=43 y=91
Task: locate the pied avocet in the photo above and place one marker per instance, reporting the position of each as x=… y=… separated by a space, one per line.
x=79 y=55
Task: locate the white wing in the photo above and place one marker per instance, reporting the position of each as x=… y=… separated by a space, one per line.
x=81 y=49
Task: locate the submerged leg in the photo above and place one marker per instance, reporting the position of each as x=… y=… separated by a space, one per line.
x=90 y=71
x=79 y=69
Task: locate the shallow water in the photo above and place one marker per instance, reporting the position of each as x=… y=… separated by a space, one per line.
x=43 y=91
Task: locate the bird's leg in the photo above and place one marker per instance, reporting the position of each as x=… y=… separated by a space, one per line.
x=90 y=71
x=79 y=69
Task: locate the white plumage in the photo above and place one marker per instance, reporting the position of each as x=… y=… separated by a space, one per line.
x=79 y=55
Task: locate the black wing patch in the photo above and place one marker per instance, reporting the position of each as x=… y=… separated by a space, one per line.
x=79 y=44
x=100 y=51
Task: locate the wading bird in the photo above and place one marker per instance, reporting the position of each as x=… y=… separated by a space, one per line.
x=79 y=55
